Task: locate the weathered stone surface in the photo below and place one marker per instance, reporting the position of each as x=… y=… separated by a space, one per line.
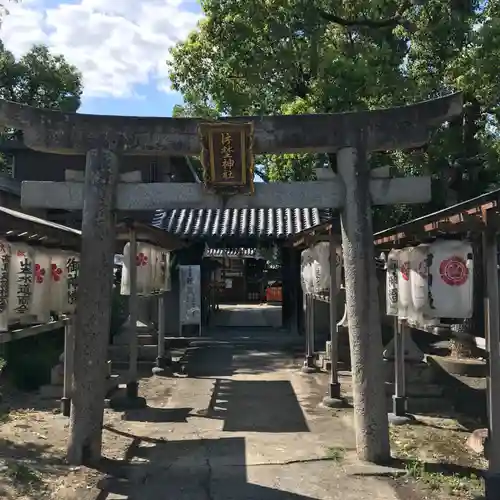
x=75 y=133
x=153 y=196
x=370 y=415
x=478 y=441
x=92 y=319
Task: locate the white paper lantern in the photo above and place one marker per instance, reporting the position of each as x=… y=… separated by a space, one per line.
x=21 y=277
x=404 y=285
x=58 y=282
x=5 y=258
x=391 y=299
x=73 y=276
x=321 y=253
x=125 y=281
x=144 y=261
x=451 y=269
x=157 y=256
x=307 y=271
x=143 y=265
x=41 y=286
x=419 y=278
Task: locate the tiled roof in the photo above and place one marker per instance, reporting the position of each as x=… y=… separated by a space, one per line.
x=230 y=252
x=277 y=223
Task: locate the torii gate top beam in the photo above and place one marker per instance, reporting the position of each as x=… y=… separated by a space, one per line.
x=385 y=129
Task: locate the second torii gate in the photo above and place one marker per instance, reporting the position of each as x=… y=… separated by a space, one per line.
x=351 y=136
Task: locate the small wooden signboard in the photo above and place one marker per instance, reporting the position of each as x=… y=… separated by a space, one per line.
x=227 y=157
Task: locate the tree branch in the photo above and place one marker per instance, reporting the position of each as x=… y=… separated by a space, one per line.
x=389 y=22
x=261 y=174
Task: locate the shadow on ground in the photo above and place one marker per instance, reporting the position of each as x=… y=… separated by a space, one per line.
x=204 y=360
x=182 y=470
x=256 y=406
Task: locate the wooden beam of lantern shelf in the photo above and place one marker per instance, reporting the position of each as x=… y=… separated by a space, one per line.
x=227 y=157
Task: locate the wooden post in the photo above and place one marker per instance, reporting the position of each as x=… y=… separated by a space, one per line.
x=69 y=359
x=333 y=398
x=93 y=313
x=370 y=414
x=490 y=246
x=132 y=382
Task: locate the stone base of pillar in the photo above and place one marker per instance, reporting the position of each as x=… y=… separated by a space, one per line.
x=66 y=406
x=399 y=415
x=132 y=390
x=333 y=399
x=163 y=367
x=333 y=402
x=309 y=366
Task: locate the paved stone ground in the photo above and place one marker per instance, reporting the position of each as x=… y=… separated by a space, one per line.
x=245 y=425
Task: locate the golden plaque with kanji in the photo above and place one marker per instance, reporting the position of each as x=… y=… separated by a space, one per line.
x=227 y=156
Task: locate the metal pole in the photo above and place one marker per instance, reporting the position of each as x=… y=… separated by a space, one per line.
x=309 y=366
x=69 y=359
x=164 y=356
x=132 y=383
x=333 y=398
x=492 y=479
x=399 y=415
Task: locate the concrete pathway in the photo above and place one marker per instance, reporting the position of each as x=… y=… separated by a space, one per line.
x=245 y=425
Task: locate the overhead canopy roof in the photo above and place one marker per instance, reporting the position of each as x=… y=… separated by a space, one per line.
x=246 y=223
x=459 y=219
x=18 y=226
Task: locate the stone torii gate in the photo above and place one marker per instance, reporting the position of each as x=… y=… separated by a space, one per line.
x=104 y=139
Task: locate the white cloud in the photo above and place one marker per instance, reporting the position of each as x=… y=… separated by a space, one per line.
x=116 y=44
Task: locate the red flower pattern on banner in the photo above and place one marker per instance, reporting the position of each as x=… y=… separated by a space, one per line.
x=56 y=272
x=39 y=273
x=141 y=259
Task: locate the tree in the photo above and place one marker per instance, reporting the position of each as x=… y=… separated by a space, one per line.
x=40 y=79
x=304 y=56
x=272 y=57
x=3 y=8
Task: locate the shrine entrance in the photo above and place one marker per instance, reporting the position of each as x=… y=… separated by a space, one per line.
x=227 y=147
x=245 y=290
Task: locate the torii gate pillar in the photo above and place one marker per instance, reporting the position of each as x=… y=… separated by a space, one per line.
x=351 y=135
x=363 y=311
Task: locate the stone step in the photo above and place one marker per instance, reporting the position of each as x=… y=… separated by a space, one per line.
x=418 y=391
x=50 y=391
x=147 y=339
x=146 y=352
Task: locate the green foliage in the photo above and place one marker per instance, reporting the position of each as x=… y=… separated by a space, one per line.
x=312 y=56
x=30 y=360
x=40 y=79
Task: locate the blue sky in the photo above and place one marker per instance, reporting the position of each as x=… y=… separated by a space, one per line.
x=154 y=103
x=120 y=46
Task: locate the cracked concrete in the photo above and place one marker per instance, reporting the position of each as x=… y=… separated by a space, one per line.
x=245 y=425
